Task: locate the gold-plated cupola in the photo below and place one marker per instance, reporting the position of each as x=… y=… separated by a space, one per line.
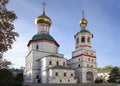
x=83 y=21
x=43 y=18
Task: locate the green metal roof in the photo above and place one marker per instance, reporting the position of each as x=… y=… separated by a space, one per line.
x=54 y=56
x=103 y=71
x=42 y=36
x=16 y=70
x=83 y=31
x=61 y=67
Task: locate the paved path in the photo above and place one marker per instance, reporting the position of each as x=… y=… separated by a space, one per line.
x=34 y=84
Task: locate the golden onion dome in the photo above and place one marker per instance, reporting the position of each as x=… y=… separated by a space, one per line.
x=83 y=21
x=43 y=19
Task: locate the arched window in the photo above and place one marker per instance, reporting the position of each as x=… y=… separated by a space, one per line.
x=88 y=59
x=63 y=63
x=37 y=47
x=60 y=80
x=79 y=66
x=64 y=74
x=87 y=65
x=57 y=63
x=92 y=60
x=79 y=59
x=71 y=74
x=50 y=62
x=77 y=40
x=83 y=39
x=56 y=74
x=91 y=66
x=88 y=39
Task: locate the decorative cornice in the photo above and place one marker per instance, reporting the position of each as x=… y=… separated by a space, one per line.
x=84 y=46
x=84 y=55
x=43 y=40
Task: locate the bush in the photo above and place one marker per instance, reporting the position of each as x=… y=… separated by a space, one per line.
x=98 y=80
x=19 y=79
x=6 y=78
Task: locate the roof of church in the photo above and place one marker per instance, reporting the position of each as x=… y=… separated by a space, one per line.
x=61 y=67
x=103 y=71
x=43 y=36
x=83 y=31
x=54 y=56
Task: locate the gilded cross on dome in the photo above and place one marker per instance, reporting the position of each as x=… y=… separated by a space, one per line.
x=83 y=14
x=44 y=4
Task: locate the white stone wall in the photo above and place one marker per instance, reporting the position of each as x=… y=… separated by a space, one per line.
x=79 y=36
x=61 y=78
x=103 y=75
x=44 y=46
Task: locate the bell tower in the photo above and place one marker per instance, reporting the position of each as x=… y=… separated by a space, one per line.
x=84 y=57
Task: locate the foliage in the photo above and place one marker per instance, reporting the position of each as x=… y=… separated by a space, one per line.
x=6 y=78
x=114 y=75
x=7 y=35
x=5 y=64
x=19 y=79
x=98 y=80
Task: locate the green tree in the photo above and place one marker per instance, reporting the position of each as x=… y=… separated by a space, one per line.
x=6 y=78
x=114 y=74
x=7 y=35
x=19 y=79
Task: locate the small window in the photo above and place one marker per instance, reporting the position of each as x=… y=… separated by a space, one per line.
x=87 y=65
x=83 y=39
x=77 y=40
x=37 y=47
x=37 y=76
x=79 y=59
x=92 y=60
x=91 y=66
x=60 y=80
x=64 y=74
x=68 y=80
x=63 y=63
x=71 y=74
x=79 y=66
x=50 y=62
x=88 y=59
x=56 y=74
x=88 y=39
x=57 y=63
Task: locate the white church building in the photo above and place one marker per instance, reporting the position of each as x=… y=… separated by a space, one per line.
x=44 y=64
x=84 y=57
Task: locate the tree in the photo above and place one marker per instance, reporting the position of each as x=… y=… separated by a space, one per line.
x=6 y=78
x=19 y=79
x=7 y=35
x=114 y=74
x=5 y=64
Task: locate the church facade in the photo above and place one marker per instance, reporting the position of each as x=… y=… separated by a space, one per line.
x=44 y=64
x=84 y=57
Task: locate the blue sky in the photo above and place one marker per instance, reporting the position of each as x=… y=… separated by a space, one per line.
x=103 y=21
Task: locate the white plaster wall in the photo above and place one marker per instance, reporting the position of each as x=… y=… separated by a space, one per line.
x=64 y=79
x=44 y=46
x=104 y=76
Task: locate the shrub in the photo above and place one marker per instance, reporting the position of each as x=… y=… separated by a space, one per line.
x=98 y=80
x=6 y=78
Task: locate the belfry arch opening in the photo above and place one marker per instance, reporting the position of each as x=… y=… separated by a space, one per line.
x=89 y=76
x=83 y=39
